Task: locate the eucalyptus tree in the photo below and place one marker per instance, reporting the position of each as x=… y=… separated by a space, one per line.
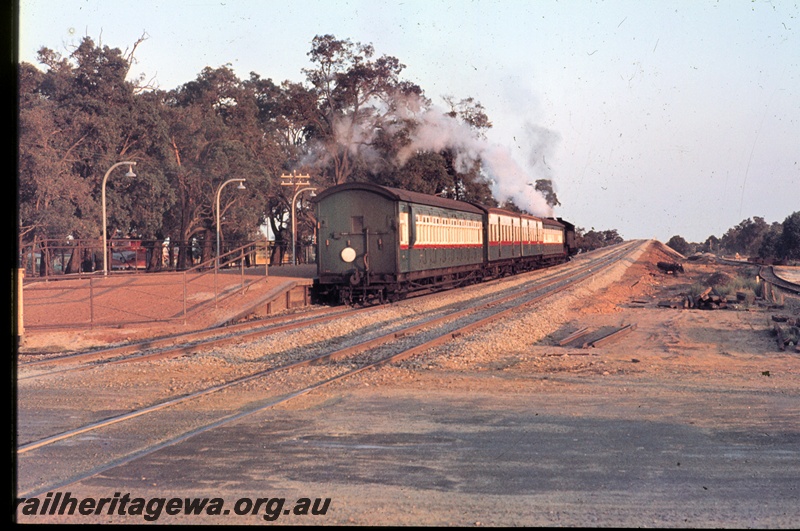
x=52 y=198
x=745 y=238
x=771 y=247
x=470 y=182
x=77 y=119
x=545 y=187
x=286 y=115
x=214 y=136
x=790 y=237
x=356 y=97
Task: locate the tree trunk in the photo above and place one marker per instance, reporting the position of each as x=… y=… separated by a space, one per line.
x=73 y=266
x=155 y=248
x=44 y=260
x=276 y=257
x=87 y=261
x=185 y=246
x=183 y=250
x=98 y=260
x=207 y=249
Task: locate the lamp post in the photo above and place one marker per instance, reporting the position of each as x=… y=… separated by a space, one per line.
x=219 y=191
x=294 y=228
x=103 y=195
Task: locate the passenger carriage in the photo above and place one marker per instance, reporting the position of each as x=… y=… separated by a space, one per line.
x=379 y=243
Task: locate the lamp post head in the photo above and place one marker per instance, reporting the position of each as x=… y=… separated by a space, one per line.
x=241 y=186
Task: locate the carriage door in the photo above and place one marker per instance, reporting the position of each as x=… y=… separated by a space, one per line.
x=359 y=239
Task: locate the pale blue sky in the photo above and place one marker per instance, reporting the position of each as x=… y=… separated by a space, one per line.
x=665 y=117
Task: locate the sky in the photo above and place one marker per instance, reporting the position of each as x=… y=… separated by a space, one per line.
x=652 y=117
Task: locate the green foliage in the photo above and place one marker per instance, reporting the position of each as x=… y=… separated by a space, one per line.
x=752 y=238
x=771 y=242
x=737 y=284
x=745 y=238
x=545 y=186
x=790 y=238
x=348 y=85
x=589 y=241
x=678 y=244
x=711 y=245
x=778 y=241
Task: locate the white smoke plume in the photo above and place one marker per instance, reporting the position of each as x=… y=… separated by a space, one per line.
x=437 y=131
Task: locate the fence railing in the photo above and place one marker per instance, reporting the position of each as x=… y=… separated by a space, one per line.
x=88 y=299
x=50 y=259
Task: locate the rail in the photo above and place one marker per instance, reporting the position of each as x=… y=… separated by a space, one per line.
x=767 y=274
x=92 y=300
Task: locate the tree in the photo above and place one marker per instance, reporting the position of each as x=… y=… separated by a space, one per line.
x=469 y=182
x=745 y=238
x=356 y=97
x=216 y=135
x=287 y=116
x=678 y=244
x=545 y=187
x=611 y=237
x=426 y=172
x=591 y=240
x=711 y=244
x=771 y=243
x=455 y=140
x=78 y=118
x=52 y=197
x=790 y=237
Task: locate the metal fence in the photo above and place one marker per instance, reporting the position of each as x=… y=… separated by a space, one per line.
x=51 y=259
x=92 y=299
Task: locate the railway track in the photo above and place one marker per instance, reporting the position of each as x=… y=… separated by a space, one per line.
x=53 y=460
x=767 y=273
x=186 y=343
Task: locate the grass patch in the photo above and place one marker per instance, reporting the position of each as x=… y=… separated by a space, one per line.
x=747 y=285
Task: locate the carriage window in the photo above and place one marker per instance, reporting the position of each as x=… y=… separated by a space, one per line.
x=403 y=228
x=357 y=223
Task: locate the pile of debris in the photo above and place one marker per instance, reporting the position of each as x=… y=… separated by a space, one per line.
x=708 y=301
x=704 y=301
x=787 y=333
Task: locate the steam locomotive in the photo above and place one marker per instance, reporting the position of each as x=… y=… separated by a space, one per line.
x=379 y=244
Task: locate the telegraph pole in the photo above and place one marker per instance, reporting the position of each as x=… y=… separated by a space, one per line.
x=300 y=183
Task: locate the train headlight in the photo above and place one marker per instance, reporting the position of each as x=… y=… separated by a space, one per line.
x=348 y=254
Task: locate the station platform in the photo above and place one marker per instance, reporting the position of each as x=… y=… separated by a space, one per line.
x=123 y=307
